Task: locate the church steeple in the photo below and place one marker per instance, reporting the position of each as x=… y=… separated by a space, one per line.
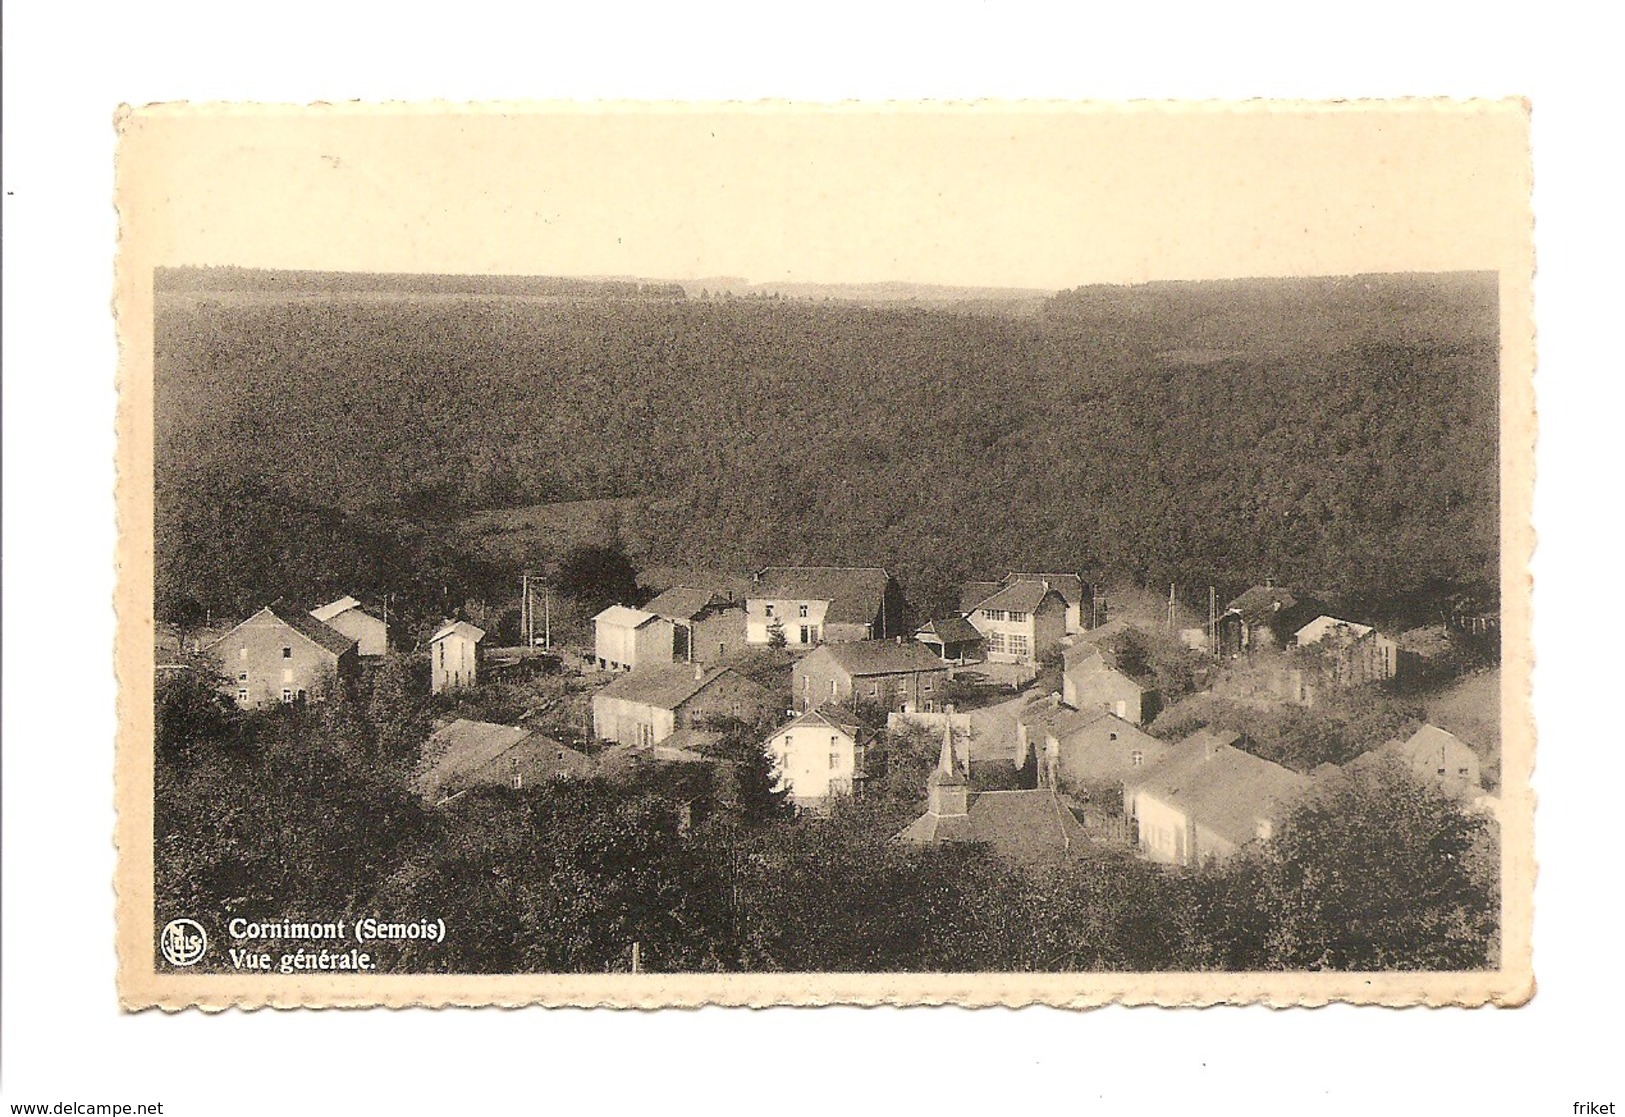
x=947 y=792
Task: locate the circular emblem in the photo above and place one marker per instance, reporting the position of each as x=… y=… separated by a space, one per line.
x=183 y=942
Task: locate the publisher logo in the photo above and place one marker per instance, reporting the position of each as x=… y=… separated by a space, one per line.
x=183 y=942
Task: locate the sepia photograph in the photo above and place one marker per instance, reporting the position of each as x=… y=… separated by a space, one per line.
x=985 y=553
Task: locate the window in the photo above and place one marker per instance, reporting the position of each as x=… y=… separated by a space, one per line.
x=242 y=677
x=768 y=609
x=1135 y=758
x=801 y=610
x=925 y=684
x=1019 y=645
x=1462 y=772
x=1018 y=617
x=995 y=642
x=874 y=690
x=287 y=695
x=1114 y=736
x=994 y=614
x=806 y=635
x=834 y=760
x=242 y=694
x=832 y=688
x=287 y=652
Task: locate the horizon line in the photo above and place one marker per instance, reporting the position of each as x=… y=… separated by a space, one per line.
x=599 y=277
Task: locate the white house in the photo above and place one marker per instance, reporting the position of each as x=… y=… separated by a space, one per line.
x=1205 y=799
x=346 y=615
x=812 y=605
x=1355 y=653
x=818 y=756
x=625 y=639
x=454 y=656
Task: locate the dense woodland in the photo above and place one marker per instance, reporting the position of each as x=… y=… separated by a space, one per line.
x=307 y=814
x=1338 y=435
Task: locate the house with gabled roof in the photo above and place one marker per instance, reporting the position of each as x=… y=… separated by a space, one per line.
x=282 y=655
x=1088 y=681
x=1024 y=827
x=646 y=706
x=1078 y=595
x=625 y=639
x=1263 y=618
x=1081 y=749
x=708 y=626
x=1434 y=756
x=1351 y=654
x=1020 y=622
x=899 y=675
x=953 y=639
x=812 y=605
x=1206 y=799
x=819 y=756
x=455 y=655
x=466 y=754
x=346 y=615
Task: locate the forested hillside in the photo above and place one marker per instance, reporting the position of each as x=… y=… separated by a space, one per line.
x=1337 y=434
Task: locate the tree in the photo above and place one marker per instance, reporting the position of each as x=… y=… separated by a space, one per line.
x=189 y=710
x=397 y=711
x=1379 y=871
x=597 y=577
x=775 y=635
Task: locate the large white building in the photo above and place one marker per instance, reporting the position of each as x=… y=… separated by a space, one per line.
x=625 y=639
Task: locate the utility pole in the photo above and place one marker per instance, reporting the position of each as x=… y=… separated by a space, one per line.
x=524 y=608
x=547 y=616
x=1213 y=622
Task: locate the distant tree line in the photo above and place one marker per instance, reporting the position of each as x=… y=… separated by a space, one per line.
x=1338 y=436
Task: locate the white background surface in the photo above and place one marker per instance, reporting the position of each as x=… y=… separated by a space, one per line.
x=64 y=1038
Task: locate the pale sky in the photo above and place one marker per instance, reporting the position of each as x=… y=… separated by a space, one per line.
x=999 y=195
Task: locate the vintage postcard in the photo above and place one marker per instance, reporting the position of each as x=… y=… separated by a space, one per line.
x=652 y=555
